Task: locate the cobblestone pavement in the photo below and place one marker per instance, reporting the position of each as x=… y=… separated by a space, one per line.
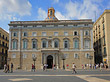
x=56 y=76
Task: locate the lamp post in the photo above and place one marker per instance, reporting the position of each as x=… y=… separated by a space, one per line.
x=63 y=58
x=34 y=59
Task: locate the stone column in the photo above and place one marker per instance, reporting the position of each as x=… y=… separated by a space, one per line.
x=54 y=59
x=10 y=40
x=42 y=61
x=57 y=61
x=19 y=40
x=44 y=58
x=91 y=39
x=81 y=35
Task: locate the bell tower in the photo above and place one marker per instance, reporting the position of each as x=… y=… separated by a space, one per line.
x=51 y=15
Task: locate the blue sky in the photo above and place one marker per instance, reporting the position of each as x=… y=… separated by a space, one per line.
x=34 y=10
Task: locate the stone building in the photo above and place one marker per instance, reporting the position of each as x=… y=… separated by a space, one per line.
x=52 y=41
x=101 y=30
x=4 y=42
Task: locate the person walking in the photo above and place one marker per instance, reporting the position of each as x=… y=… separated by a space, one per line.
x=11 y=67
x=45 y=65
x=5 y=68
x=8 y=68
x=32 y=67
x=101 y=66
x=74 y=68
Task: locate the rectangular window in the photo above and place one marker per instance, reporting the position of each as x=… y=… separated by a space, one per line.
x=24 y=44
x=104 y=50
x=13 y=55
x=14 y=34
x=87 y=55
x=43 y=33
x=87 y=44
x=66 y=33
x=34 y=44
x=75 y=55
x=104 y=40
x=24 y=55
x=86 y=33
x=14 y=44
x=34 y=34
x=55 y=33
x=25 y=34
x=66 y=55
x=33 y=55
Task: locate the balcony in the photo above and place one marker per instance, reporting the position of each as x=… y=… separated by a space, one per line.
x=3 y=46
x=50 y=49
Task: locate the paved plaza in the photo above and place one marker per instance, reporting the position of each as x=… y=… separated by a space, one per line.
x=56 y=76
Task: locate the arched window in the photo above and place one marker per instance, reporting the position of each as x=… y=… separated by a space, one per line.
x=25 y=42
x=66 y=43
x=44 y=44
x=86 y=43
x=56 y=43
x=14 y=44
x=76 y=43
x=34 y=44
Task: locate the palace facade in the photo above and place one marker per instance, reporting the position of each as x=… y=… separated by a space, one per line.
x=101 y=30
x=4 y=42
x=52 y=41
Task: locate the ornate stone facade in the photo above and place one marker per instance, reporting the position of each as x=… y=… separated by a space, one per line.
x=51 y=41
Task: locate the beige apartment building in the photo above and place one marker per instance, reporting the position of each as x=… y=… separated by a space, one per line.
x=101 y=32
x=51 y=41
x=4 y=42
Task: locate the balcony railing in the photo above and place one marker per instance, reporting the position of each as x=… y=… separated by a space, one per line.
x=50 y=49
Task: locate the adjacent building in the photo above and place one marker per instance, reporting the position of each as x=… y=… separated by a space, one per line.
x=4 y=42
x=101 y=30
x=51 y=41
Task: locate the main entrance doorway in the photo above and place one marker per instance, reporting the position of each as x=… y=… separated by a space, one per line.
x=49 y=61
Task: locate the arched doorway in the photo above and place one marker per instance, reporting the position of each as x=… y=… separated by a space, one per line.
x=49 y=61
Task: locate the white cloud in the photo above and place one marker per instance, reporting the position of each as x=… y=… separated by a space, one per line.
x=41 y=14
x=60 y=16
x=78 y=10
x=83 y=10
x=55 y=1
x=10 y=8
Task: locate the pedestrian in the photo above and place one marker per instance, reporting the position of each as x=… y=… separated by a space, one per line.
x=43 y=67
x=89 y=66
x=106 y=66
x=82 y=66
x=74 y=68
x=54 y=67
x=67 y=66
x=92 y=66
x=5 y=68
x=8 y=68
x=85 y=66
x=11 y=67
x=101 y=66
x=32 y=68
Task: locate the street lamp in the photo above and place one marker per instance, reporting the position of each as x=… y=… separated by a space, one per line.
x=34 y=59
x=63 y=58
